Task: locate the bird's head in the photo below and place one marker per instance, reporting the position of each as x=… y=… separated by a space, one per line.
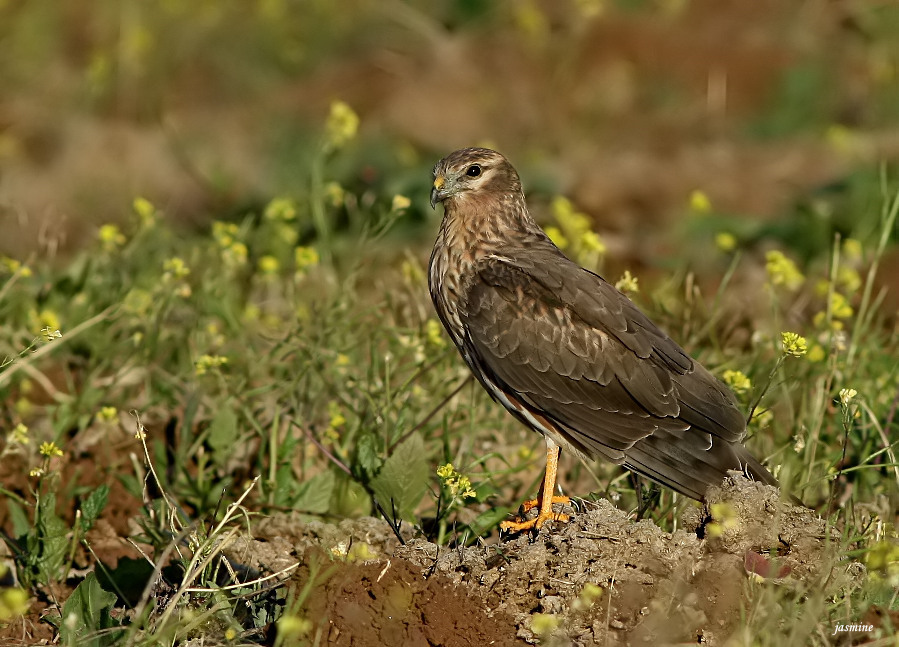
x=471 y=171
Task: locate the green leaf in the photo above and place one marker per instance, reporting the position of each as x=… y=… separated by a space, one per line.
x=87 y=612
x=47 y=542
x=21 y=524
x=314 y=495
x=93 y=505
x=403 y=478
x=367 y=456
x=223 y=433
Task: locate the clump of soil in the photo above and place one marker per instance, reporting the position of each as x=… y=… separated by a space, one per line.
x=601 y=578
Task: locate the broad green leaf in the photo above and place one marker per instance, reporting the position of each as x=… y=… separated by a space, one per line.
x=403 y=478
x=93 y=505
x=223 y=433
x=85 y=613
x=314 y=495
x=367 y=455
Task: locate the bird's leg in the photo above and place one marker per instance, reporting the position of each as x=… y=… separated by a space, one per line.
x=546 y=499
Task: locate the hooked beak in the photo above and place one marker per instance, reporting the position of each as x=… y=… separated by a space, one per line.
x=437 y=195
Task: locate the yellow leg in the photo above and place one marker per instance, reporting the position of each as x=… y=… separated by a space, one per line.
x=546 y=499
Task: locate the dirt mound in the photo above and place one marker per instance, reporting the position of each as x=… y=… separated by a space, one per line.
x=600 y=579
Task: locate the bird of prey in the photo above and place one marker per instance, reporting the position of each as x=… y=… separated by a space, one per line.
x=564 y=351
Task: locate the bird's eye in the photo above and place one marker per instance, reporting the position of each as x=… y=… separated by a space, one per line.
x=473 y=171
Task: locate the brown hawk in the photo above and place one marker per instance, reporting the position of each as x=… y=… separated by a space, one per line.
x=564 y=351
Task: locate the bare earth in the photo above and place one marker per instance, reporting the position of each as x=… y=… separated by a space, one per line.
x=654 y=587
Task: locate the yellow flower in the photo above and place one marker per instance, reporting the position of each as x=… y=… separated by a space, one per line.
x=555 y=234
x=175 y=268
x=816 y=353
x=110 y=237
x=305 y=257
x=590 y=241
x=145 y=211
x=543 y=624
x=108 y=414
x=725 y=518
x=434 y=333
x=459 y=485
x=793 y=344
x=224 y=233
x=208 y=362
x=847 y=396
x=782 y=271
x=849 y=278
x=48 y=334
x=334 y=193
x=44 y=319
x=725 y=241
x=737 y=381
x=13 y=602
x=19 y=435
x=342 y=125
x=839 y=306
x=281 y=209
x=269 y=265
x=50 y=450
x=852 y=249
x=236 y=254
x=400 y=203
x=699 y=202
x=289 y=625
x=627 y=283
x=13 y=266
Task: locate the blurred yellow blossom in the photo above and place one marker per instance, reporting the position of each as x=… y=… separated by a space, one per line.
x=235 y=254
x=555 y=234
x=839 y=306
x=342 y=124
x=725 y=241
x=434 y=333
x=400 y=203
x=13 y=602
x=737 y=381
x=305 y=257
x=13 y=266
x=782 y=270
x=291 y=626
x=18 y=435
x=281 y=209
x=628 y=283
x=269 y=265
x=110 y=237
x=44 y=319
x=108 y=414
x=544 y=624
x=175 y=268
x=591 y=241
x=208 y=362
x=724 y=518
x=145 y=211
x=816 y=353
x=334 y=194
x=849 y=278
x=852 y=249
x=699 y=202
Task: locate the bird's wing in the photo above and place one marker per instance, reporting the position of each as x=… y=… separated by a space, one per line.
x=578 y=351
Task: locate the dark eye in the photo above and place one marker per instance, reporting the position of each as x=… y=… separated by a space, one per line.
x=473 y=171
